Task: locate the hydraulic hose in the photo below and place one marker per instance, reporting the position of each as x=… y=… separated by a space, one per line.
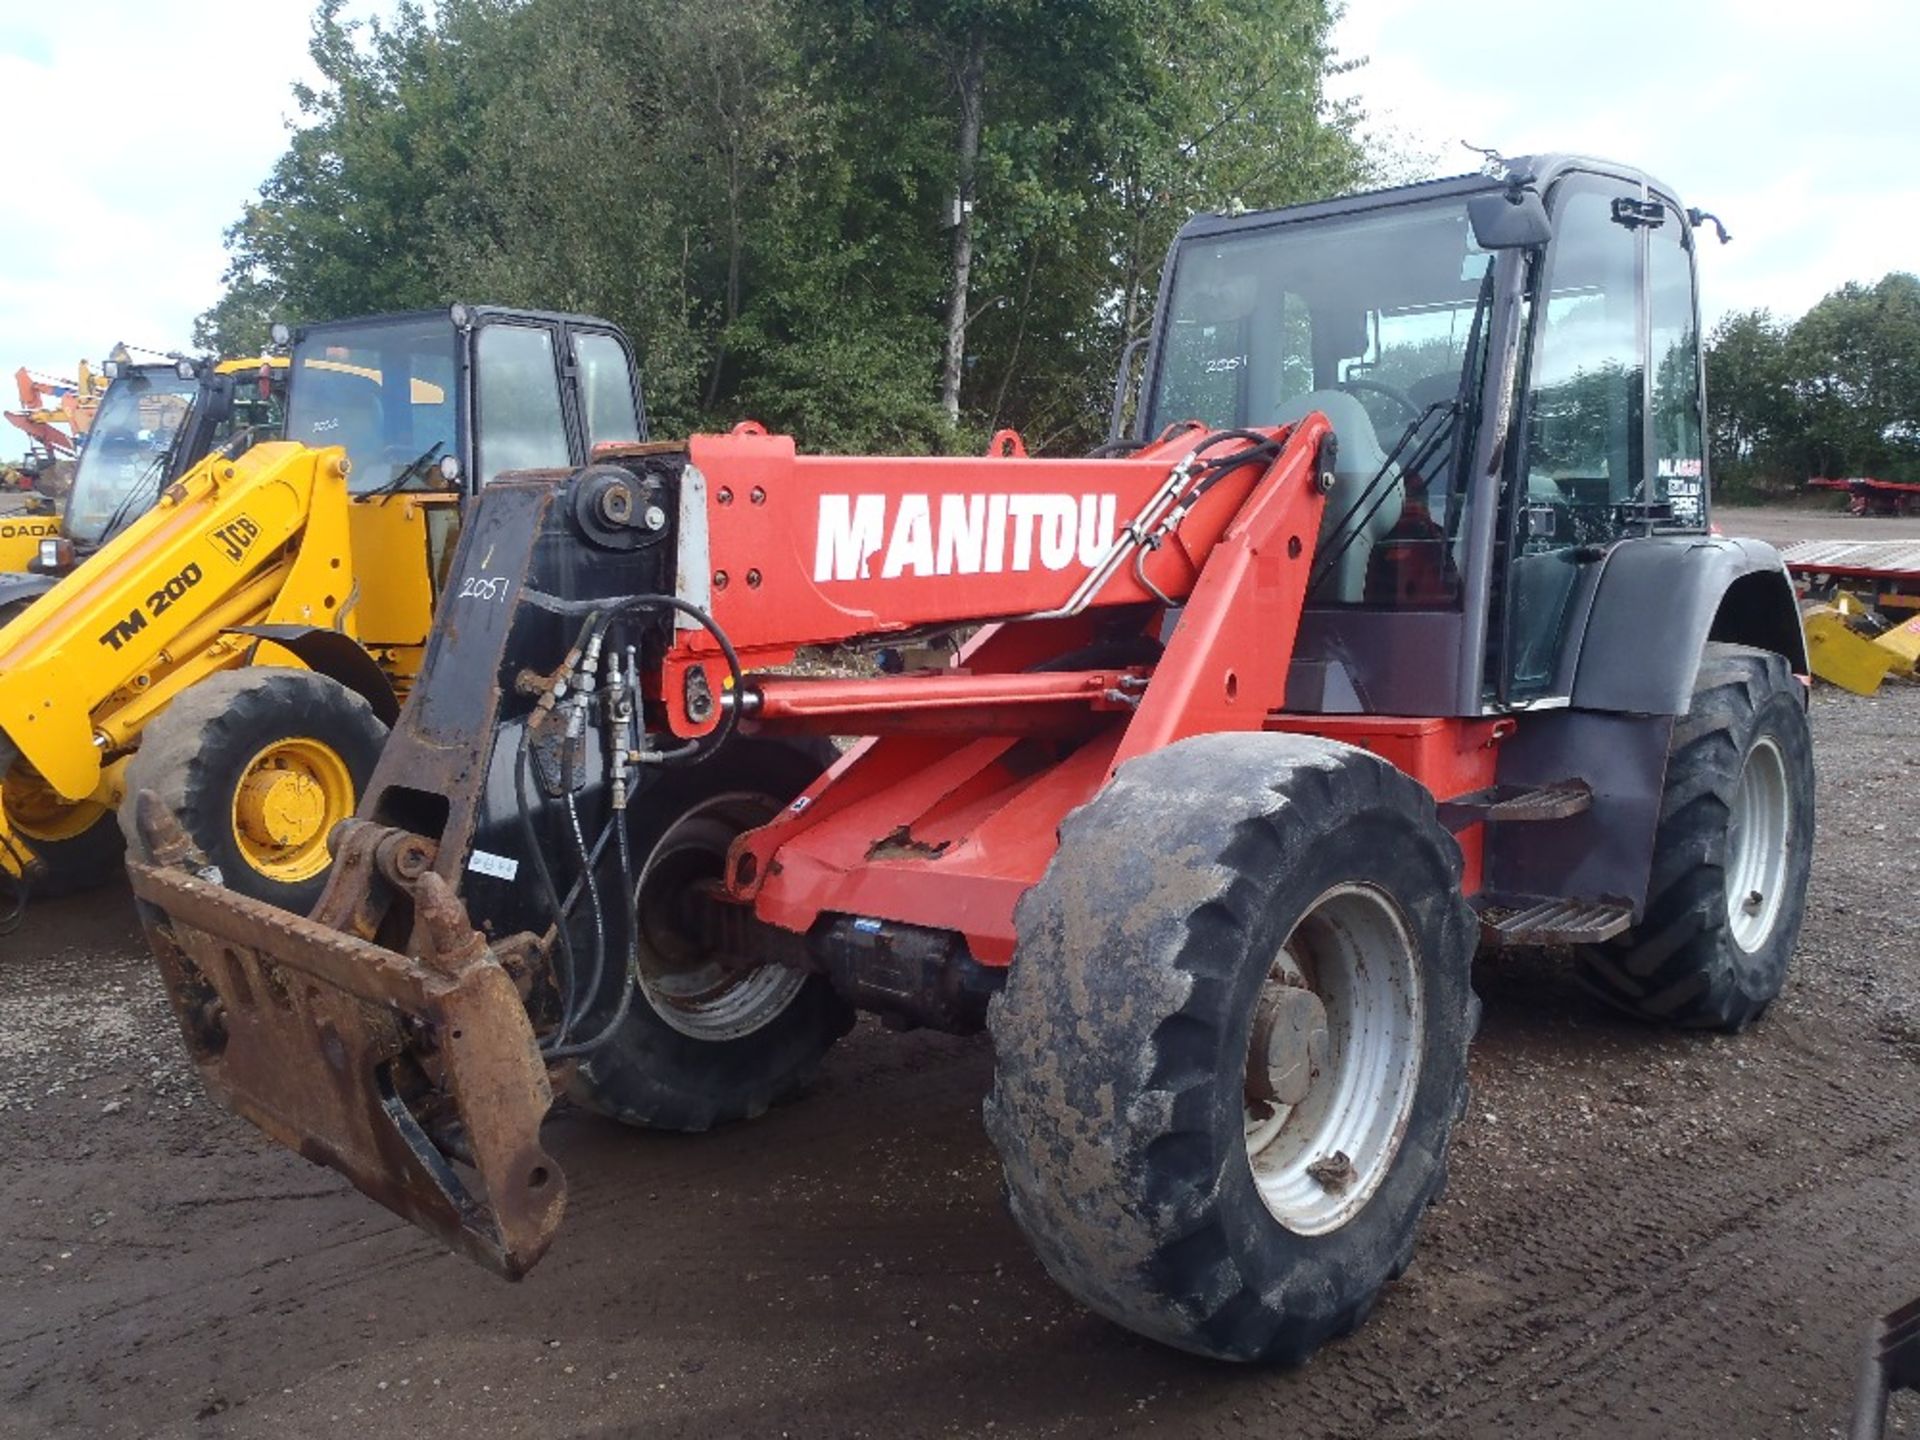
x=578 y=989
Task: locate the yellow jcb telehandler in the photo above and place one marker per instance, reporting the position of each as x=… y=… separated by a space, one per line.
x=242 y=646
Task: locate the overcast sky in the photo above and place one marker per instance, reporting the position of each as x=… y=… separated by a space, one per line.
x=136 y=130
x=1797 y=125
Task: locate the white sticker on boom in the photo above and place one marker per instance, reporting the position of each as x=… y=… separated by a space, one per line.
x=483 y=862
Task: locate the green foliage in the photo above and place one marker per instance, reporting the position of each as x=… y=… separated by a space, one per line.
x=1749 y=403
x=1836 y=392
x=759 y=191
x=1854 y=363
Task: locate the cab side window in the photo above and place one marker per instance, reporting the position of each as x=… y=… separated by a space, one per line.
x=264 y=415
x=520 y=423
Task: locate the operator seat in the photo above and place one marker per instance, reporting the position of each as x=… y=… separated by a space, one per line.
x=1360 y=458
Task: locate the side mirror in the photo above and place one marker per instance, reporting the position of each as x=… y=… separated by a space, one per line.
x=1123 y=382
x=1511 y=219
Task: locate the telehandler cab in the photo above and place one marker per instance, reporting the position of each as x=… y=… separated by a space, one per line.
x=154 y=422
x=243 y=644
x=1396 y=627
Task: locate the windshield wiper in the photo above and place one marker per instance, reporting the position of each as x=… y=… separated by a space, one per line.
x=1354 y=523
x=123 y=513
x=159 y=470
x=1350 y=529
x=416 y=466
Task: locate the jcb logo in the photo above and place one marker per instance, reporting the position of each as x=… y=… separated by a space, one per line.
x=236 y=538
x=124 y=630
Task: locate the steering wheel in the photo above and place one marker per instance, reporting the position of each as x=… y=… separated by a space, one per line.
x=1380 y=387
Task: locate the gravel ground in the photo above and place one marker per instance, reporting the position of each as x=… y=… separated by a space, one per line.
x=1647 y=1234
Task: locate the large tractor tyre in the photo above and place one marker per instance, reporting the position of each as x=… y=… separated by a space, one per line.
x=258 y=765
x=1233 y=1042
x=1731 y=855
x=704 y=1043
x=76 y=845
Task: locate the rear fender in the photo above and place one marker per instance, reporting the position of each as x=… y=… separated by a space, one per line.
x=337 y=656
x=1661 y=599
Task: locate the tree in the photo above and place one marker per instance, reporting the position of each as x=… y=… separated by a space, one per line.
x=1836 y=392
x=1749 y=400
x=764 y=204
x=1854 y=362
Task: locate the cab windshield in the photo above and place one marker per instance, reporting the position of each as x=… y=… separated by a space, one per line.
x=126 y=458
x=385 y=391
x=1378 y=320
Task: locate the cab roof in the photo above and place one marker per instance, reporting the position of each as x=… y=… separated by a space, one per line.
x=1542 y=170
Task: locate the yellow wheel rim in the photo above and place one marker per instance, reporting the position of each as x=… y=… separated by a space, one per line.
x=289 y=798
x=38 y=812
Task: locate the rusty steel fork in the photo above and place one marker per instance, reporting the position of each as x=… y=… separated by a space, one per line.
x=416 y=1075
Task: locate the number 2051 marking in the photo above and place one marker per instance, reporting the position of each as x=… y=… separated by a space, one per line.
x=484 y=587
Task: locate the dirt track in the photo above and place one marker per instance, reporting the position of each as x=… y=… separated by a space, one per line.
x=1647 y=1234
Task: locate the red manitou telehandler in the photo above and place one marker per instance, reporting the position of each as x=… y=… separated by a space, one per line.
x=1193 y=771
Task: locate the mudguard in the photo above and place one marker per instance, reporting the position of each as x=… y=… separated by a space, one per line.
x=1660 y=599
x=18 y=585
x=339 y=657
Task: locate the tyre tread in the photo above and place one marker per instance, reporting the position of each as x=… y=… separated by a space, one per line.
x=1672 y=966
x=1173 y=1275
x=184 y=750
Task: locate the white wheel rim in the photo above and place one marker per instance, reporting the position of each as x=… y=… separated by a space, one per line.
x=1320 y=1150
x=1757 y=829
x=693 y=992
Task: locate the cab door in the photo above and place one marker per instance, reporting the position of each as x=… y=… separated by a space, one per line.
x=1610 y=444
x=605 y=389
x=520 y=422
x=546 y=392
